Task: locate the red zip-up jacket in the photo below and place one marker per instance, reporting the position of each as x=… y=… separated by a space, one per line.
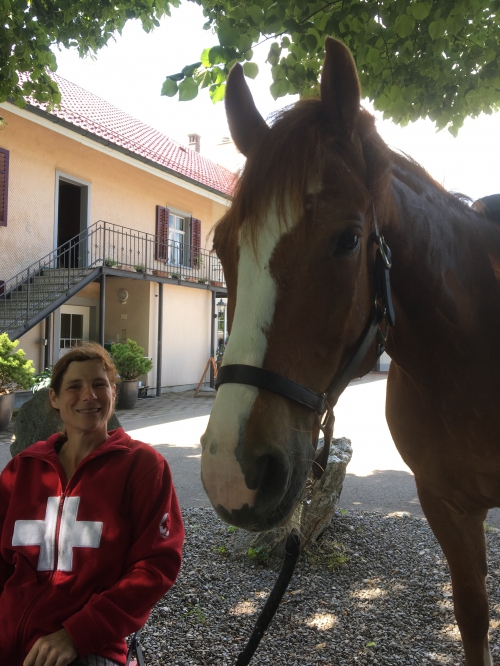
x=92 y=555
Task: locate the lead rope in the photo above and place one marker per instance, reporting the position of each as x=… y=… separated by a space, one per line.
x=292 y=552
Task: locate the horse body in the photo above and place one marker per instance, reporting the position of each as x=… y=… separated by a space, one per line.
x=298 y=253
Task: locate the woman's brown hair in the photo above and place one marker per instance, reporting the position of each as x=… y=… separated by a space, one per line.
x=88 y=351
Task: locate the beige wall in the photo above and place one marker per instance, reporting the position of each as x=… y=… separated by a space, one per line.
x=136 y=311
x=186 y=334
x=119 y=193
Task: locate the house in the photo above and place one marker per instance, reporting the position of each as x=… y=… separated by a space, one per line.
x=105 y=235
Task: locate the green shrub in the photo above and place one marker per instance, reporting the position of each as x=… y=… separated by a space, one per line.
x=129 y=360
x=16 y=371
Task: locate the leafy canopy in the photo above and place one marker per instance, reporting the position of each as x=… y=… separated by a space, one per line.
x=417 y=58
x=31 y=27
x=16 y=371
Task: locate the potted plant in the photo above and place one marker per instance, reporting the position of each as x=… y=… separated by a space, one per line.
x=175 y=276
x=16 y=372
x=110 y=263
x=140 y=268
x=130 y=363
x=202 y=280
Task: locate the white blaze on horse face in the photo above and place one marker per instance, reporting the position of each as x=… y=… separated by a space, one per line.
x=255 y=304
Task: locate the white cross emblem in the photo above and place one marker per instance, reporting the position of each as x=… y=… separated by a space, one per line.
x=72 y=534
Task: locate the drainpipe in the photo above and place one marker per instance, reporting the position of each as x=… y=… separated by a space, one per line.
x=160 y=340
x=102 y=307
x=48 y=336
x=212 y=341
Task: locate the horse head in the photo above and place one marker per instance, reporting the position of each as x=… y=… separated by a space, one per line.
x=298 y=255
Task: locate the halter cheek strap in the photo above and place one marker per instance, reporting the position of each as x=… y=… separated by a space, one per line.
x=323 y=404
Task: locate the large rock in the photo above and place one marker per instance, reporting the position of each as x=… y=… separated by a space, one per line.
x=314 y=511
x=36 y=420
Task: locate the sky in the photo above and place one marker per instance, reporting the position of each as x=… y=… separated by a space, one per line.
x=130 y=71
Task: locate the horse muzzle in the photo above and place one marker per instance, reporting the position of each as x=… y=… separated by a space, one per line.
x=254 y=466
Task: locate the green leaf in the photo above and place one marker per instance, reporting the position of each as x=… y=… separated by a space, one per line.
x=455 y=23
x=188 y=89
x=217 y=92
x=216 y=55
x=244 y=43
x=255 y=13
x=311 y=42
x=279 y=88
x=169 y=88
x=437 y=29
x=371 y=644
x=250 y=69
x=420 y=10
x=176 y=77
x=205 y=58
x=404 y=25
x=190 y=69
x=228 y=36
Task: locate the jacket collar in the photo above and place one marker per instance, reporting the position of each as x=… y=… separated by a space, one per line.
x=118 y=440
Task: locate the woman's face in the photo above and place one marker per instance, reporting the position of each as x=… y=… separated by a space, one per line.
x=86 y=398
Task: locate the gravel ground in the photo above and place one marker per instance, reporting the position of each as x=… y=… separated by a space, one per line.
x=374 y=590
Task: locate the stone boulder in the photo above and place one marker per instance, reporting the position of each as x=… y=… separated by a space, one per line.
x=312 y=514
x=36 y=420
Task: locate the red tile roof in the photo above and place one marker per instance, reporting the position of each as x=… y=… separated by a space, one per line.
x=100 y=118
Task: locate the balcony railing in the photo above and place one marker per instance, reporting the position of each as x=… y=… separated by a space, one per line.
x=56 y=275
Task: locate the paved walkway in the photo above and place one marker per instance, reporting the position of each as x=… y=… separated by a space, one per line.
x=377 y=478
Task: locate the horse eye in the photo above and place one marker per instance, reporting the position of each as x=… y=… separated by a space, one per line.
x=348 y=242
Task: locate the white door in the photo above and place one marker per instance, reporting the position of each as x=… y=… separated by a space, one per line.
x=74 y=327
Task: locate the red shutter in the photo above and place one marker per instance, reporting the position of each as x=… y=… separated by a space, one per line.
x=195 y=242
x=161 y=244
x=4 y=185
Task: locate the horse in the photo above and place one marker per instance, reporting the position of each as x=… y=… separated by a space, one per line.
x=320 y=200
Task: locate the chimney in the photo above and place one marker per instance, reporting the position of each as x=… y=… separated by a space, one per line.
x=194 y=142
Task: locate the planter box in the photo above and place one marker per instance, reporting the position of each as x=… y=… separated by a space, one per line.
x=6 y=409
x=128 y=392
x=163 y=274
x=216 y=284
x=130 y=269
x=190 y=279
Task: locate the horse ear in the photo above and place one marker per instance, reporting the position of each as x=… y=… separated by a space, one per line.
x=242 y=116
x=340 y=89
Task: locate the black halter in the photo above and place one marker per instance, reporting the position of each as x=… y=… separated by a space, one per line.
x=324 y=403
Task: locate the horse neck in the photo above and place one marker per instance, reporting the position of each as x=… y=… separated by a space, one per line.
x=443 y=280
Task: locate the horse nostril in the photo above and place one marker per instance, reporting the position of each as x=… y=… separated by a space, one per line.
x=269 y=476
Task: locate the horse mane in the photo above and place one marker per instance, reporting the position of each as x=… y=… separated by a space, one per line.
x=284 y=161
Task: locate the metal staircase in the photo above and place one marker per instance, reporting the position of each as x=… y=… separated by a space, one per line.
x=31 y=295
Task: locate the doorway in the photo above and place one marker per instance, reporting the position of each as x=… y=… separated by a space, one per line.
x=72 y=206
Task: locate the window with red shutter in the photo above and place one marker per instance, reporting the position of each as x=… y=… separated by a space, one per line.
x=4 y=185
x=161 y=243
x=195 y=242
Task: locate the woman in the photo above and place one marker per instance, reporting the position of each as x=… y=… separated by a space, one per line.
x=90 y=529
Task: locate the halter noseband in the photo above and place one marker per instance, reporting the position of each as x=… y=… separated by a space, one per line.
x=323 y=404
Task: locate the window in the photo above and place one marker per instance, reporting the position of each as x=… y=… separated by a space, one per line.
x=71 y=330
x=4 y=185
x=178 y=238
x=178 y=251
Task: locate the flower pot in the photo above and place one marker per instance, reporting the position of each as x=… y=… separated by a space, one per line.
x=128 y=391
x=215 y=283
x=161 y=273
x=6 y=409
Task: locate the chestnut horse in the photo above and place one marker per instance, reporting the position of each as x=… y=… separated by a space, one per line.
x=299 y=248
